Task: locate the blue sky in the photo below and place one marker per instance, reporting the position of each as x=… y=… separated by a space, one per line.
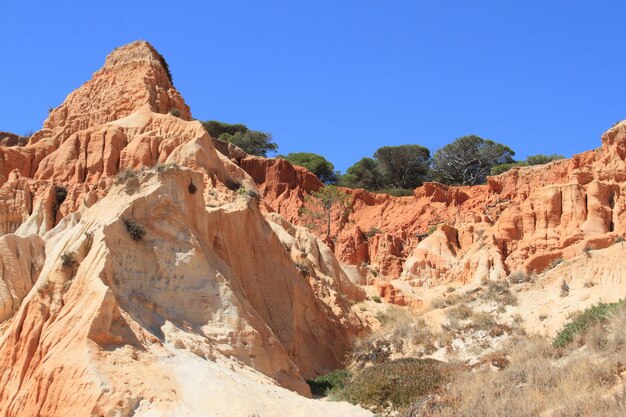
x=344 y=77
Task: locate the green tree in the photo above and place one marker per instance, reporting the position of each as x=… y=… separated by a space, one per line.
x=315 y=163
x=468 y=160
x=404 y=166
x=322 y=206
x=538 y=159
x=216 y=128
x=364 y=174
x=499 y=169
x=252 y=142
x=541 y=159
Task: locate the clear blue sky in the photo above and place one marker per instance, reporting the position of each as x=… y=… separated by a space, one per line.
x=344 y=77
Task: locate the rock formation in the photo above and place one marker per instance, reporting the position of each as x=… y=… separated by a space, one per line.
x=521 y=220
x=128 y=256
x=137 y=252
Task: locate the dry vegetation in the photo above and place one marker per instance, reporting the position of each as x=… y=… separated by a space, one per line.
x=487 y=365
x=532 y=377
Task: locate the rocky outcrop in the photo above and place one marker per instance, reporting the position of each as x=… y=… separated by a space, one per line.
x=155 y=250
x=133 y=76
x=216 y=282
x=522 y=220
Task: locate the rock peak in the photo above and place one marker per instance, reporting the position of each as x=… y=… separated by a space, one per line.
x=133 y=75
x=138 y=51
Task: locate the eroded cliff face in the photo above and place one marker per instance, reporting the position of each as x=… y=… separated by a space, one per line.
x=521 y=220
x=97 y=322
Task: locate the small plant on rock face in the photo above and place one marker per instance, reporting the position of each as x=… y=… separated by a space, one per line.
x=519 y=277
x=304 y=270
x=555 y=262
x=175 y=112
x=135 y=230
x=162 y=168
x=619 y=239
x=68 y=259
x=564 y=289
x=129 y=178
x=324 y=205
x=373 y=231
x=376 y=298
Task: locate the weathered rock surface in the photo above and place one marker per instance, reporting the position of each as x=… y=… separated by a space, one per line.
x=223 y=278
x=209 y=286
x=521 y=220
x=21 y=260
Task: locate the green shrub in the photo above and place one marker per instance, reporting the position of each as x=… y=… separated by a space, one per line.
x=598 y=313
x=372 y=232
x=317 y=164
x=398 y=383
x=175 y=112
x=396 y=192
x=376 y=299
x=541 y=159
x=324 y=385
x=68 y=259
x=135 y=230
x=499 y=169
x=166 y=67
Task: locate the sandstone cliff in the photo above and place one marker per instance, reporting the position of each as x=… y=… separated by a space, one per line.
x=128 y=256
x=224 y=285
x=521 y=220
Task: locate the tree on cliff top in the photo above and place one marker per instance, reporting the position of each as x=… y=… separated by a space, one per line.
x=322 y=206
x=253 y=142
x=468 y=160
x=404 y=166
x=315 y=163
x=364 y=174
